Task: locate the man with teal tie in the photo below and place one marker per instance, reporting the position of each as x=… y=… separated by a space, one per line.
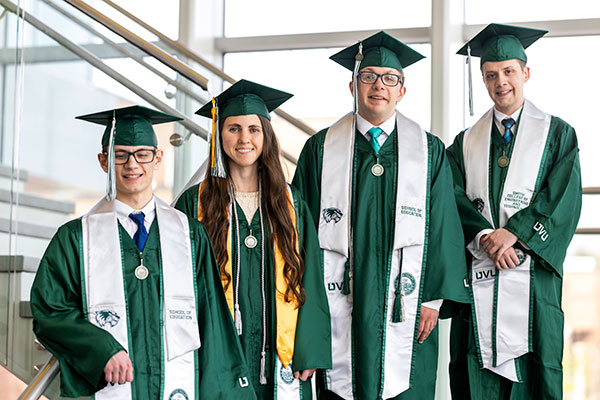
x=380 y=191
x=518 y=188
x=128 y=297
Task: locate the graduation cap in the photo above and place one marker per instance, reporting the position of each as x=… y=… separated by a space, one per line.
x=497 y=42
x=128 y=126
x=133 y=125
x=242 y=98
x=379 y=50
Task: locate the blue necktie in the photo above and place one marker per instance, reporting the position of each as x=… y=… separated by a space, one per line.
x=375 y=132
x=142 y=234
x=507 y=123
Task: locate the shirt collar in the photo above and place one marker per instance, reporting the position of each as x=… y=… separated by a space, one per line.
x=123 y=210
x=363 y=125
x=499 y=116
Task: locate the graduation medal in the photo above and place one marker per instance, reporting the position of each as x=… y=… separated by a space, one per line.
x=503 y=161
x=250 y=241
x=141 y=272
x=377 y=169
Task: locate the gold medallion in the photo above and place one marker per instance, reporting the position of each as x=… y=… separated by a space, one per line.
x=503 y=161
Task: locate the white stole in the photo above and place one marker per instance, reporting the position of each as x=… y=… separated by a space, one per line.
x=409 y=237
x=509 y=289
x=106 y=299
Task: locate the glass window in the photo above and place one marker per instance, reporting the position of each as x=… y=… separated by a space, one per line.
x=483 y=12
x=272 y=17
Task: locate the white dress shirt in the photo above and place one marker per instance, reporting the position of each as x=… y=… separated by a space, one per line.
x=123 y=211
x=387 y=127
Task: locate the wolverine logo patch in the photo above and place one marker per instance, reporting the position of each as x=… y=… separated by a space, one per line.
x=478 y=204
x=104 y=317
x=332 y=214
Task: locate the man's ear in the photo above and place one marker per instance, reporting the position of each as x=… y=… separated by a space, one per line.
x=158 y=158
x=351 y=88
x=103 y=160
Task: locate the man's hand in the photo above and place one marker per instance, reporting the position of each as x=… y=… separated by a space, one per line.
x=427 y=322
x=507 y=260
x=304 y=375
x=497 y=242
x=119 y=369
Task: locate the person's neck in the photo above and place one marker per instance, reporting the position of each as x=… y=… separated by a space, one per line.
x=245 y=179
x=137 y=201
x=375 y=120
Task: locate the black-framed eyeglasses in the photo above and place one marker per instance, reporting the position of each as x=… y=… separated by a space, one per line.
x=142 y=156
x=369 y=78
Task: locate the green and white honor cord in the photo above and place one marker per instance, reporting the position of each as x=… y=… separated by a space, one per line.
x=237 y=312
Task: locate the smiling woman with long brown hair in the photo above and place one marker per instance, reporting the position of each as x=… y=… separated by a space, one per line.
x=265 y=244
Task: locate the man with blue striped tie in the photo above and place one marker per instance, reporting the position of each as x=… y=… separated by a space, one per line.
x=518 y=188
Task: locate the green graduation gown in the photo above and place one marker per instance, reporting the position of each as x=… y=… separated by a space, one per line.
x=83 y=349
x=557 y=206
x=373 y=216
x=312 y=348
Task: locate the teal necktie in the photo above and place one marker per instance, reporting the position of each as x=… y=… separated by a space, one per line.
x=508 y=123
x=375 y=132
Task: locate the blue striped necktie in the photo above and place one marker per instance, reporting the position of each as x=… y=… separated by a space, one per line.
x=508 y=123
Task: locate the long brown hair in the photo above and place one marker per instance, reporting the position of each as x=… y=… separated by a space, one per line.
x=215 y=198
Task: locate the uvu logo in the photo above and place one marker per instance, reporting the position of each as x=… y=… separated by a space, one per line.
x=486 y=273
x=541 y=230
x=333 y=286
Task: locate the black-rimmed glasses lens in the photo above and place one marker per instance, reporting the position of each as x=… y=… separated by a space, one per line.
x=142 y=156
x=369 y=78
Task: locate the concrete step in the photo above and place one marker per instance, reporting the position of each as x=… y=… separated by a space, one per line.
x=6 y=178
x=23 y=354
x=36 y=209
x=30 y=239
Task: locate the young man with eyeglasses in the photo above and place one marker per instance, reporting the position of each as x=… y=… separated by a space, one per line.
x=128 y=297
x=380 y=191
x=518 y=188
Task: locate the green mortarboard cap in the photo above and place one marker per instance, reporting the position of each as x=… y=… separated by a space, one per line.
x=246 y=98
x=379 y=50
x=497 y=42
x=133 y=125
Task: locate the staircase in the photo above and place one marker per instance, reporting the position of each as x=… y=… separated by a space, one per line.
x=36 y=221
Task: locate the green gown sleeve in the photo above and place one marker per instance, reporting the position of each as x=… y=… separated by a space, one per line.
x=188 y=202
x=307 y=178
x=312 y=347
x=557 y=204
x=472 y=220
x=221 y=361
x=81 y=348
x=446 y=265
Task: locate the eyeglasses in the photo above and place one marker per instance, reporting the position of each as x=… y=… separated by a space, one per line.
x=142 y=156
x=369 y=78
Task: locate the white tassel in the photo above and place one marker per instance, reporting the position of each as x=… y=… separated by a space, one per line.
x=263 y=378
x=402 y=308
x=111 y=186
x=471 y=111
x=238 y=319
